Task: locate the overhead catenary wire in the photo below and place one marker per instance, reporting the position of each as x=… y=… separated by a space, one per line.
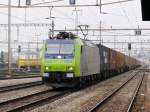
x=47 y=2
x=16 y=17
x=59 y=11
x=32 y=20
x=134 y=14
x=57 y=6
x=56 y=17
x=126 y=16
x=3 y=5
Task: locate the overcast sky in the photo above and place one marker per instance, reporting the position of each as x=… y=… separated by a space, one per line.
x=127 y=14
x=121 y=15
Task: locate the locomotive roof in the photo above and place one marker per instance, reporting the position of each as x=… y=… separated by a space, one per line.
x=64 y=35
x=63 y=41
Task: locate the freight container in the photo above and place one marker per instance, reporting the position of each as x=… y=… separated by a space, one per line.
x=112 y=61
x=127 y=62
x=104 y=60
x=120 y=62
x=131 y=62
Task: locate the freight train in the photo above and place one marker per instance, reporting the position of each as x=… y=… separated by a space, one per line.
x=67 y=61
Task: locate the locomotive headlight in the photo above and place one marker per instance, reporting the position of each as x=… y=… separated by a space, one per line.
x=70 y=68
x=46 y=68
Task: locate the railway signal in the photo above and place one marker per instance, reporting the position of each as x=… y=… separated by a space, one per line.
x=129 y=46
x=2 y=57
x=137 y=32
x=19 y=48
x=28 y=2
x=72 y=2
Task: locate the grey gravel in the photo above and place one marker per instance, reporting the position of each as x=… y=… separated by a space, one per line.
x=22 y=92
x=122 y=98
x=82 y=100
x=18 y=81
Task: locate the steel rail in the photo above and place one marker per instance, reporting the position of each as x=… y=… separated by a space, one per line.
x=19 y=77
x=96 y=107
x=33 y=103
x=135 y=94
x=19 y=86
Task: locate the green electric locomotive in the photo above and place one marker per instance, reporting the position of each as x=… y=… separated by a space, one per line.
x=67 y=59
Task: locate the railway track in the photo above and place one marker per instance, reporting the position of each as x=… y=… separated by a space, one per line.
x=19 y=86
x=104 y=102
x=26 y=102
x=18 y=77
x=135 y=94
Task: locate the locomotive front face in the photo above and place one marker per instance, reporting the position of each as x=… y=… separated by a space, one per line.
x=59 y=58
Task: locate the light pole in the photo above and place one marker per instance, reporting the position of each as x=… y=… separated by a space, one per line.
x=9 y=37
x=100 y=23
x=28 y=54
x=76 y=19
x=53 y=26
x=100 y=32
x=51 y=32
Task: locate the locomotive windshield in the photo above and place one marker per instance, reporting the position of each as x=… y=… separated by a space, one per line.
x=53 y=48
x=60 y=48
x=66 y=49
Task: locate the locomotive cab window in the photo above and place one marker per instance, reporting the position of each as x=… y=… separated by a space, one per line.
x=60 y=48
x=66 y=49
x=53 y=48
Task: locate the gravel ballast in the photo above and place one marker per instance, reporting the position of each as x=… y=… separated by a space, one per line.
x=83 y=100
x=22 y=92
x=8 y=82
